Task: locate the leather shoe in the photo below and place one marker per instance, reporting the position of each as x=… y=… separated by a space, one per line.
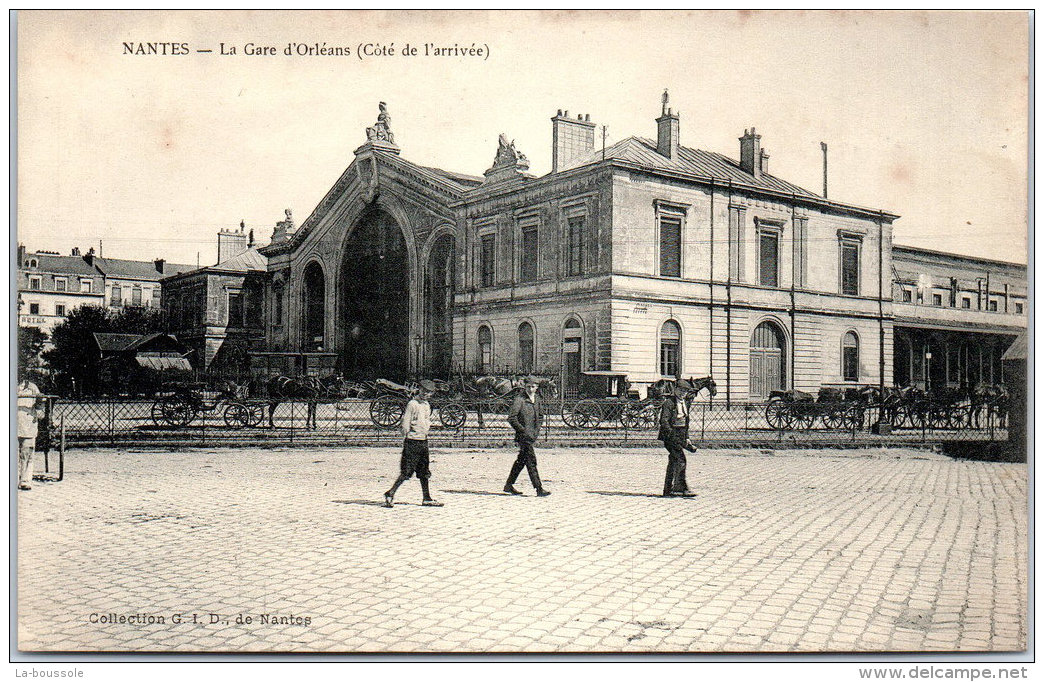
x=684 y=493
x=543 y=493
x=432 y=503
x=387 y=500
x=511 y=489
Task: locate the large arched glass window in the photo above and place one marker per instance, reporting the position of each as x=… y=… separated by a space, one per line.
x=850 y=357
x=525 y=348
x=314 y=307
x=670 y=349
x=485 y=342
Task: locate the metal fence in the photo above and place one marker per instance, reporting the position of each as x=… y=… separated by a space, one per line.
x=352 y=422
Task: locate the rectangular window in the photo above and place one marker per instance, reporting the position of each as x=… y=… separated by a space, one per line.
x=487 y=259
x=34 y=308
x=116 y=296
x=530 y=252
x=993 y=306
x=670 y=246
x=1018 y=308
x=156 y=296
x=277 y=307
x=937 y=299
x=59 y=309
x=965 y=302
x=669 y=357
x=34 y=283
x=85 y=286
x=850 y=268
x=235 y=309
x=60 y=284
x=576 y=246
x=768 y=259
x=907 y=296
x=136 y=296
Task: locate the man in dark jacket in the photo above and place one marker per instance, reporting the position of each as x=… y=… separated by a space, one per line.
x=524 y=416
x=674 y=432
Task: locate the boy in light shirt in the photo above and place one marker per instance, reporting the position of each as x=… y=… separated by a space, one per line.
x=416 y=420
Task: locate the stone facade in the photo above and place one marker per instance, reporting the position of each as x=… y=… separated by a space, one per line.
x=596 y=266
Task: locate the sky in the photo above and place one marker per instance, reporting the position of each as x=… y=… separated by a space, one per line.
x=148 y=156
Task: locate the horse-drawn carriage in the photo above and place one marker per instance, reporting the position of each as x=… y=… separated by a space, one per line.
x=985 y=406
x=608 y=397
x=184 y=403
x=831 y=407
x=390 y=402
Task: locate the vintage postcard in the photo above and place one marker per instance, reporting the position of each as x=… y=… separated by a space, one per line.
x=521 y=332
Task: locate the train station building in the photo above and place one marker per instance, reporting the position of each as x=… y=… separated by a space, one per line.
x=649 y=257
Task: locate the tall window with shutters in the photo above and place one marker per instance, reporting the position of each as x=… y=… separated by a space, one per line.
x=530 y=252
x=575 y=246
x=768 y=258
x=487 y=254
x=670 y=229
x=849 y=267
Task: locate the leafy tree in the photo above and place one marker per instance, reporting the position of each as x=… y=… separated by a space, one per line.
x=75 y=359
x=31 y=341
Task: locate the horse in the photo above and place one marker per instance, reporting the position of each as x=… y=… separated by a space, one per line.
x=313 y=390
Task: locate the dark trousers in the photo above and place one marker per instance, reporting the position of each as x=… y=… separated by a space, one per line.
x=675 y=480
x=526 y=459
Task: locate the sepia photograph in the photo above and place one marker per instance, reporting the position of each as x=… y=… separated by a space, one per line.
x=690 y=333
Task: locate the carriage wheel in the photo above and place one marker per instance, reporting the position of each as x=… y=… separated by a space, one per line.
x=237 y=416
x=452 y=415
x=586 y=415
x=632 y=416
x=257 y=414
x=803 y=418
x=834 y=418
x=779 y=415
x=387 y=410
x=173 y=411
x=500 y=406
x=855 y=417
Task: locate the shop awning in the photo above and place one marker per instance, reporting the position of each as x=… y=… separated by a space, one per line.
x=163 y=362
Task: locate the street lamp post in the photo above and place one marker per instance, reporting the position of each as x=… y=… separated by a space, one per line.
x=927 y=370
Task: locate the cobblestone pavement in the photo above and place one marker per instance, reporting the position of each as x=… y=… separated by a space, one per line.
x=847 y=550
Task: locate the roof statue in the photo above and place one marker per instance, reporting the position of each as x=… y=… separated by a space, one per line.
x=507 y=154
x=381 y=130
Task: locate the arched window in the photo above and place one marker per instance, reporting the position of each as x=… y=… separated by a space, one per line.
x=485 y=356
x=572 y=348
x=525 y=348
x=670 y=349
x=850 y=357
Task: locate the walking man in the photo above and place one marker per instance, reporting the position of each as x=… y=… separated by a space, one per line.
x=28 y=418
x=524 y=416
x=674 y=432
x=416 y=420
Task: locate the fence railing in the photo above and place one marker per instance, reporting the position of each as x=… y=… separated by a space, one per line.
x=358 y=422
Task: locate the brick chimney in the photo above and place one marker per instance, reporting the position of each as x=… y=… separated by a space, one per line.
x=75 y=251
x=571 y=139
x=231 y=242
x=752 y=158
x=89 y=256
x=668 y=131
x=160 y=262
x=21 y=255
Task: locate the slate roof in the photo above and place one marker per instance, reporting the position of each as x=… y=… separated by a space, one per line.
x=109 y=342
x=71 y=265
x=642 y=152
x=137 y=269
x=249 y=260
x=1018 y=350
